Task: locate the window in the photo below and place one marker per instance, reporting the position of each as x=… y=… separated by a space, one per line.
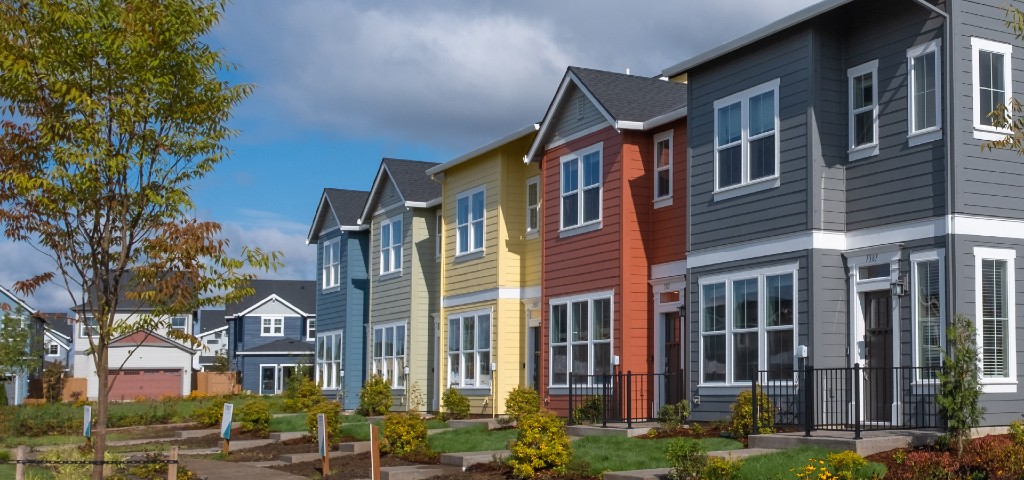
x=863 y=118
x=992 y=80
x=994 y=277
x=746 y=144
x=310 y=328
x=53 y=349
x=88 y=327
x=178 y=323
x=389 y=353
x=329 y=373
x=214 y=339
x=663 y=169
x=581 y=187
x=272 y=327
x=581 y=340
x=439 y=235
x=391 y=245
x=332 y=264
x=929 y=312
x=533 y=205
x=747 y=323
x=924 y=101
x=469 y=350
x=469 y=222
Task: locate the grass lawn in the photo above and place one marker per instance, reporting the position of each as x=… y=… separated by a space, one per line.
x=295 y=422
x=359 y=431
x=435 y=424
x=476 y=439
x=7 y=471
x=610 y=453
x=782 y=464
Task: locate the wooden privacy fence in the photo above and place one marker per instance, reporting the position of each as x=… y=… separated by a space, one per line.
x=216 y=383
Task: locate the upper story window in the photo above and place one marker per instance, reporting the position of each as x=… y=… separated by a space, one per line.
x=178 y=323
x=863 y=119
x=469 y=216
x=533 y=205
x=391 y=245
x=438 y=235
x=581 y=187
x=469 y=350
x=996 y=318
x=88 y=327
x=924 y=103
x=53 y=349
x=310 y=328
x=663 y=169
x=746 y=136
x=581 y=340
x=272 y=327
x=992 y=79
x=332 y=263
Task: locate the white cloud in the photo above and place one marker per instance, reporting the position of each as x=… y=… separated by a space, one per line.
x=272 y=233
x=22 y=262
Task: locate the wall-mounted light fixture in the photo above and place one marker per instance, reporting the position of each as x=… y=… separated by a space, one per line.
x=899 y=287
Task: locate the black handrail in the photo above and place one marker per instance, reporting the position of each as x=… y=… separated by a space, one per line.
x=625 y=397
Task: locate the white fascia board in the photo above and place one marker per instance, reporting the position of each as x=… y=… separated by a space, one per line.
x=432 y=203
x=522 y=132
x=538 y=141
x=19 y=301
x=269 y=298
x=377 y=185
x=317 y=216
x=652 y=123
x=204 y=334
x=242 y=354
x=60 y=340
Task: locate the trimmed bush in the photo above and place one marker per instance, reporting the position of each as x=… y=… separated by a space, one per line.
x=688 y=459
x=542 y=444
x=210 y=415
x=455 y=405
x=332 y=420
x=590 y=410
x=375 y=397
x=741 y=421
x=671 y=416
x=1017 y=432
x=404 y=434
x=845 y=464
x=255 y=417
x=301 y=394
x=520 y=402
x=719 y=468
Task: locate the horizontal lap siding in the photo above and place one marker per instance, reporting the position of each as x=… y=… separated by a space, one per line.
x=425 y=293
x=519 y=264
x=389 y=294
x=462 y=275
x=634 y=322
x=777 y=210
x=667 y=232
x=828 y=325
x=330 y=304
x=830 y=125
x=356 y=317
x=576 y=114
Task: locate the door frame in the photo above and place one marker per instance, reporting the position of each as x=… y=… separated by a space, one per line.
x=658 y=287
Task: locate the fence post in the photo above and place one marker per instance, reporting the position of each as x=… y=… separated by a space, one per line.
x=856 y=401
x=808 y=399
x=604 y=402
x=569 y=377
x=172 y=466
x=753 y=407
x=19 y=469
x=629 y=399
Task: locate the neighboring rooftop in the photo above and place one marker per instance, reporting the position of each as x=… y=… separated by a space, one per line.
x=284 y=345
x=57 y=322
x=410 y=176
x=211 y=320
x=346 y=204
x=300 y=293
x=631 y=98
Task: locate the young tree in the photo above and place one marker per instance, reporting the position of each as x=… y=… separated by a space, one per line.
x=960 y=382
x=109 y=110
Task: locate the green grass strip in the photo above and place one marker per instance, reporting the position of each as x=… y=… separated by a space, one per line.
x=475 y=439
x=612 y=453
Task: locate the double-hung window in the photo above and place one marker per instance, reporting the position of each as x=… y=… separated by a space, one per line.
x=329 y=373
x=746 y=136
x=310 y=328
x=389 y=353
x=331 y=276
x=179 y=323
x=272 y=327
x=663 y=169
x=469 y=215
x=863 y=119
x=391 y=246
x=929 y=312
x=533 y=205
x=469 y=350
x=992 y=78
x=924 y=120
x=581 y=187
x=88 y=327
x=747 y=324
x=581 y=340
x=994 y=288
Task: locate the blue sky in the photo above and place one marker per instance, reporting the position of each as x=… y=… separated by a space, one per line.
x=340 y=84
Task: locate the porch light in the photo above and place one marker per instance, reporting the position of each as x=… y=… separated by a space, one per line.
x=899 y=287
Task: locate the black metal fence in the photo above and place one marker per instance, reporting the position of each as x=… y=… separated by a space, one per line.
x=852 y=398
x=622 y=397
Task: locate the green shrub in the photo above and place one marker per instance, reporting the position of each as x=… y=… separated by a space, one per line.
x=39 y=420
x=845 y=464
x=741 y=422
x=149 y=412
x=959 y=386
x=718 y=468
x=375 y=397
x=687 y=457
x=542 y=444
x=210 y=415
x=72 y=471
x=590 y=410
x=332 y=420
x=455 y=405
x=5 y=455
x=671 y=416
x=1017 y=432
x=404 y=434
x=520 y=401
x=301 y=394
x=255 y=417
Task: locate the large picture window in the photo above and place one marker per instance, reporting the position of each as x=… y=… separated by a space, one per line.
x=389 y=353
x=331 y=275
x=863 y=119
x=994 y=277
x=992 y=78
x=581 y=340
x=747 y=324
x=329 y=373
x=924 y=101
x=746 y=140
x=929 y=312
x=581 y=187
x=469 y=350
x=391 y=246
x=469 y=231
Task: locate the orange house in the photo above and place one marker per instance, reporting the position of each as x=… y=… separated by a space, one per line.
x=612 y=151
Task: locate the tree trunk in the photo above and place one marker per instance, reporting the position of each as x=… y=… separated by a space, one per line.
x=99 y=437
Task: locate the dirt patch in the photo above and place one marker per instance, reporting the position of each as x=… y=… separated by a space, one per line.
x=150 y=431
x=695 y=430
x=209 y=441
x=342 y=468
x=272 y=451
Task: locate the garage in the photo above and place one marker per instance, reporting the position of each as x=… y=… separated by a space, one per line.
x=135 y=383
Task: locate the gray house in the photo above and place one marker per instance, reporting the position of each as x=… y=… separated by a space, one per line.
x=842 y=209
x=342 y=295
x=402 y=213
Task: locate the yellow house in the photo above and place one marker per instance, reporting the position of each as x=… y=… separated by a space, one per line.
x=489 y=253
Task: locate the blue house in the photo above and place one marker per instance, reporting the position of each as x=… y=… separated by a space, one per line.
x=16 y=381
x=271 y=333
x=341 y=298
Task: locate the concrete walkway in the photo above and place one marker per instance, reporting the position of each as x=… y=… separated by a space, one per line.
x=214 y=470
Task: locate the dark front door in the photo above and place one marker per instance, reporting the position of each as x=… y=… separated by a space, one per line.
x=673 y=358
x=533 y=375
x=878 y=390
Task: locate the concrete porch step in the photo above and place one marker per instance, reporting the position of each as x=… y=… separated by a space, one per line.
x=871 y=443
x=282 y=436
x=416 y=472
x=465 y=459
x=491 y=423
x=591 y=430
x=354 y=447
x=309 y=457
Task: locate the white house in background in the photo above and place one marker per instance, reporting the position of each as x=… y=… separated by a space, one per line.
x=211 y=328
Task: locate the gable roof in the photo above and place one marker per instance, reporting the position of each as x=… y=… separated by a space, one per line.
x=147 y=338
x=516 y=135
x=57 y=323
x=282 y=346
x=344 y=205
x=299 y=295
x=209 y=320
x=410 y=178
x=14 y=298
x=628 y=102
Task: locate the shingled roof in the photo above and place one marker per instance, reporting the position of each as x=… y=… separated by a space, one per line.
x=211 y=320
x=299 y=293
x=410 y=178
x=631 y=98
x=344 y=205
x=284 y=345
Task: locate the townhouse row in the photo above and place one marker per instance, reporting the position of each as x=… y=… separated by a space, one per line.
x=816 y=192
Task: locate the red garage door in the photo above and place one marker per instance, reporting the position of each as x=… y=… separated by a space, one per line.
x=132 y=384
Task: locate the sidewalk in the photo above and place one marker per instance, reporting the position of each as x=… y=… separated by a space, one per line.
x=215 y=470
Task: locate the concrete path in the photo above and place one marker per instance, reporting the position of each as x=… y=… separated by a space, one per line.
x=214 y=470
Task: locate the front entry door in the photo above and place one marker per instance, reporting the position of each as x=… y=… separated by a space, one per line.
x=878 y=390
x=533 y=358
x=673 y=358
x=268 y=380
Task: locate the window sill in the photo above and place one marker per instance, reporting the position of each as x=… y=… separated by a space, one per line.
x=271 y=334
x=532 y=234
x=330 y=289
x=579 y=230
x=998 y=387
x=924 y=136
x=663 y=202
x=989 y=134
x=863 y=151
x=469 y=256
x=746 y=189
x=389 y=275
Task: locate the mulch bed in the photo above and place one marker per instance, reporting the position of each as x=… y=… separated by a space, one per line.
x=343 y=468
x=705 y=430
x=994 y=457
x=209 y=441
x=272 y=451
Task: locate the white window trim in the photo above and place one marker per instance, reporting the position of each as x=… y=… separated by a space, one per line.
x=930 y=134
x=269 y=321
x=743 y=98
x=395 y=259
x=331 y=265
x=985 y=132
x=393 y=382
x=664 y=200
x=477 y=383
x=762 y=337
x=311 y=328
x=325 y=367
x=471 y=229
x=868 y=149
x=915 y=258
x=535 y=181
x=1008 y=384
x=569 y=300
x=184 y=323
x=578 y=155
x=438 y=235
x=51 y=348
x=84 y=325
